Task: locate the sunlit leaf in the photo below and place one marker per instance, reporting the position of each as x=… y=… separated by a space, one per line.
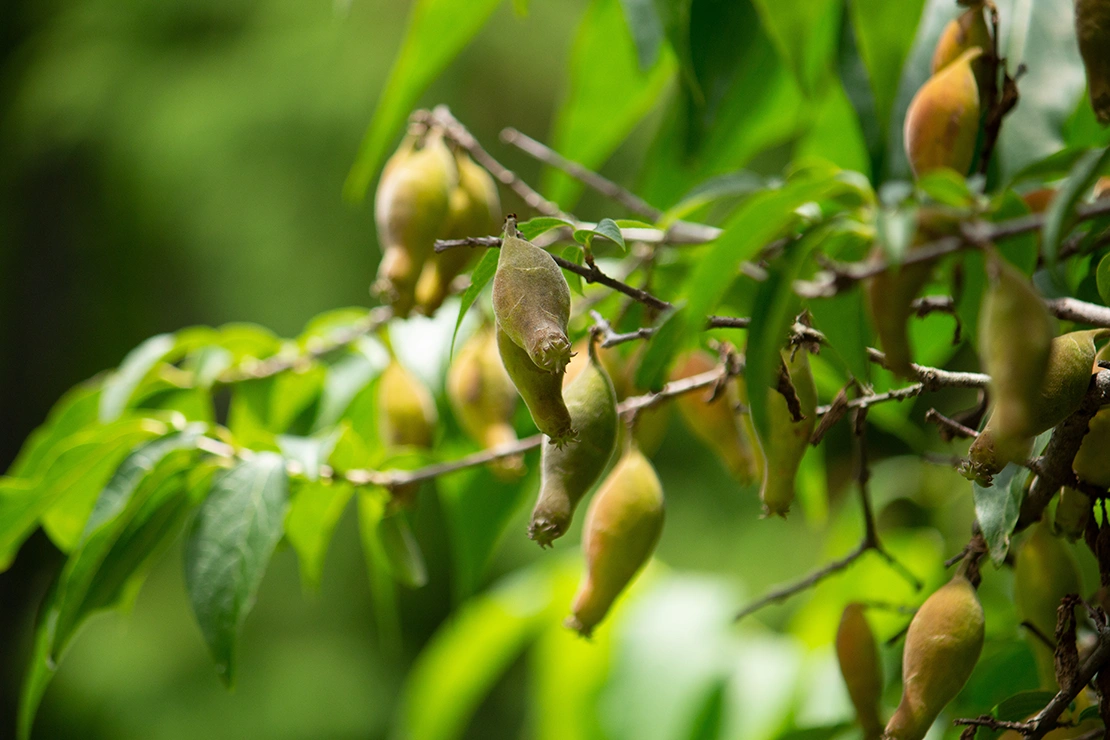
x=120 y=386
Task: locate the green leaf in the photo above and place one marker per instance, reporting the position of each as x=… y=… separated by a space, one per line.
x=228 y=548
x=313 y=514
x=294 y=392
x=1102 y=278
x=309 y=452
x=80 y=465
x=574 y=280
x=1091 y=712
x=646 y=28
x=1059 y=217
x=402 y=555
x=437 y=31
x=606 y=228
x=947 y=187
x=835 y=133
x=759 y=220
x=1020 y=707
x=805 y=35
x=884 y=33
x=479 y=277
x=469 y=653
x=477 y=507
x=121 y=385
x=600 y=110
x=383 y=589
x=79 y=407
x=997 y=508
x=532 y=228
x=843 y=320
x=347 y=377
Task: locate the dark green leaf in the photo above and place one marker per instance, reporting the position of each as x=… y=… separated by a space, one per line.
x=1102 y=277
x=574 y=280
x=532 y=228
x=884 y=32
x=400 y=551
x=1058 y=218
x=437 y=31
x=805 y=35
x=732 y=185
x=600 y=110
x=228 y=548
x=383 y=589
x=121 y=385
x=1020 y=707
x=997 y=507
x=647 y=29
x=606 y=228
x=1091 y=712
x=843 y=320
x=479 y=277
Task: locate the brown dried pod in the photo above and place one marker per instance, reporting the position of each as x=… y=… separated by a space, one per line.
x=531 y=300
x=622 y=528
x=567 y=473
x=410 y=206
x=942 y=121
x=474 y=209
x=942 y=647
x=541 y=390
x=484 y=399
x=1092 y=28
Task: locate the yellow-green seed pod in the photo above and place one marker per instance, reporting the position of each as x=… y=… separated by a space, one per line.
x=862 y=668
x=1073 y=511
x=542 y=391
x=1070 y=362
x=716 y=422
x=402 y=553
x=787 y=439
x=531 y=300
x=890 y=296
x=407 y=411
x=1044 y=573
x=942 y=121
x=942 y=647
x=622 y=528
x=567 y=473
x=484 y=399
x=1092 y=27
x=410 y=206
x=1091 y=463
x=1015 y=341
x=966 y=32
x=474 y=209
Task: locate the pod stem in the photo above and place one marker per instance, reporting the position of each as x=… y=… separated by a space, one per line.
x=510 y=225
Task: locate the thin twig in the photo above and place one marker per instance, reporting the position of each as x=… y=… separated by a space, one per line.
x=949 y=427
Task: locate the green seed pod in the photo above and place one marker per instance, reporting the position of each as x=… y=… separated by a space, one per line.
x=942 y=121
x=1045 y=572
x=1070 y=362
x=1073 y=511
x=409 y=208
x=531 y=300
x=407 y=412
x=473 y=210
x=787 y=439
x=1092 y=28
x=1015 y=340
x=942 y=647
x=716 y=422
x=542 y=391
x=622 y=528
x=862 y=668
x=567 y=473
x=484 y=399
x=890 y=296
x=402 y=553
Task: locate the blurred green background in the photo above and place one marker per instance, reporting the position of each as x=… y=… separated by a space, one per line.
x=177 y=163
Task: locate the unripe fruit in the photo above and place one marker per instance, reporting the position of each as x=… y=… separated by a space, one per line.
x=1044 y=573
x=622 y=528
x=1092 y=27
x=890 y=296
x=484 y=399
x=402 y=554
x=1066 y=380
x=1073 y=511
x=942 y=646
x=474 y=209
x=964 y=33
x=407 y=412
x=787 y=439
x=1091 y=463
x=942 y=121
x=615 y=366
x=861 y=667
x=716 y=422
x=531 y=300
x=542 y=391
x=409 y=208
x=567 y=473
x=1015 y=340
